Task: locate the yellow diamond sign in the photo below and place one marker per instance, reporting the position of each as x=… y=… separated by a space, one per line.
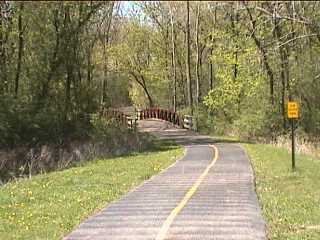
x=293 y=110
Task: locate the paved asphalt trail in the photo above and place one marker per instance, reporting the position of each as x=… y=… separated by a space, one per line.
x=223 y=207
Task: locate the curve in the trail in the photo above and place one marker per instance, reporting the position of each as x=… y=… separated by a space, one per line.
x=166 y=225
x=202 y=196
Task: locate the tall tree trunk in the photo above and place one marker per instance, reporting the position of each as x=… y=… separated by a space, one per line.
x=211 y=64
x=56 y=59
x=235 y=68
x=284 y=71
x=3 y=54
x=168 y=57
x=68 y=44
x=189 y=83
x=198 y=57
x=89 y=65
x=182 y=81
x=174 y=68
x=105 y=71
x=2 y=63
x=151 y=104
x=234 y=20
x=263 y=54
x=20 y=50
x=105 y=60
x=141 y=81
x=290 y=8
x=68 y=92
x=211 y=50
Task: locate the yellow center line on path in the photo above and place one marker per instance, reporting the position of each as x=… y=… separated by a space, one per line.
x=166 y=225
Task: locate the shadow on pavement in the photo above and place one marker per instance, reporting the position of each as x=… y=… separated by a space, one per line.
x=166 y=131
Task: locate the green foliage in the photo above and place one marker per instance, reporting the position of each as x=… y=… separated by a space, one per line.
x=138 y=97
x=105 y=129
x=23 y=123
x=139 y=56
x=47 y=99
x=224 y=96
x=258 y=123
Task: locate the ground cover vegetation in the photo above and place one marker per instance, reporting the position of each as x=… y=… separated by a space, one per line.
x=48 y=206
x=290 y=200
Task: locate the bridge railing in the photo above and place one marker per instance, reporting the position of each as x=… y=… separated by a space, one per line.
x=185 y=121
x=164 y=114
x=121 y=117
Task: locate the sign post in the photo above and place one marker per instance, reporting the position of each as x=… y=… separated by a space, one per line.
x=293 y=146
x=293 y=114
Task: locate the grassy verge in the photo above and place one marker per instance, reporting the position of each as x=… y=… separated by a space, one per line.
x=290 y=201
x=50 y=205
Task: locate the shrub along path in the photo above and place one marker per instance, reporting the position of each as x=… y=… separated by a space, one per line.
x=208 y=194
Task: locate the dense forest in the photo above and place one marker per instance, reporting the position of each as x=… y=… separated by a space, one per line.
x=232 y=65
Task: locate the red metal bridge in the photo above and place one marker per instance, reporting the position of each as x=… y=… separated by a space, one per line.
x=157 y=113
x=163 y=114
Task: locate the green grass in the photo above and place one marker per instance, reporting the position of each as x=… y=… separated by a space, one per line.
x=50 y=205
x=290 y=201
